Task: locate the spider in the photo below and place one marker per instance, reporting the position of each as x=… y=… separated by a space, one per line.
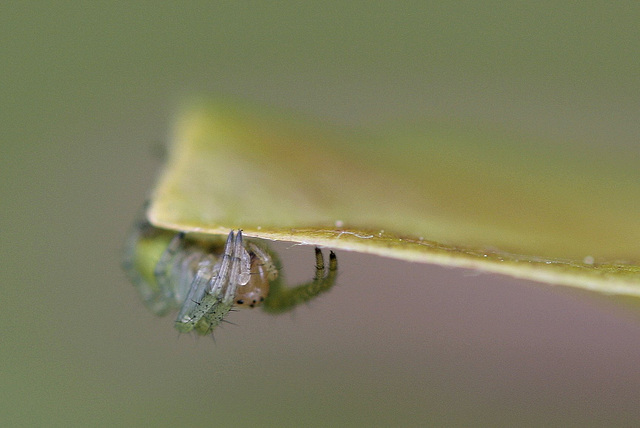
x=204 y=278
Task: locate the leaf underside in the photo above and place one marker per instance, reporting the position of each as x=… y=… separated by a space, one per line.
x=437 y=193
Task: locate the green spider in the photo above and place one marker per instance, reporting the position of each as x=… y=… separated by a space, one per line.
x=204 y=278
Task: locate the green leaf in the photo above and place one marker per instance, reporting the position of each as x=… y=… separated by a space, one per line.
x=446 y=193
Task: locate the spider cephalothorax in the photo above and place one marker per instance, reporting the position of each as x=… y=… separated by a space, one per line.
x=204 y=279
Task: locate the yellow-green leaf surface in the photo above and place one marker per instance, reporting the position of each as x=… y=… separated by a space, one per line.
x=446 y=193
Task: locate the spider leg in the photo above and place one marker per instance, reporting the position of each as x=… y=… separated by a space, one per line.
x=239 y=270
x=198 y=288
x=211 y=293
x=266 y=261
x=195 y=307
x=222 y=301
x=162 y=270
x=282 y=299
x=188 y=268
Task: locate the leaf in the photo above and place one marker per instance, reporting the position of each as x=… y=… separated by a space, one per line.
x=445 y=193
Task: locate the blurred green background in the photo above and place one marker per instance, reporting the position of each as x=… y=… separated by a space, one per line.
x=88 y=91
